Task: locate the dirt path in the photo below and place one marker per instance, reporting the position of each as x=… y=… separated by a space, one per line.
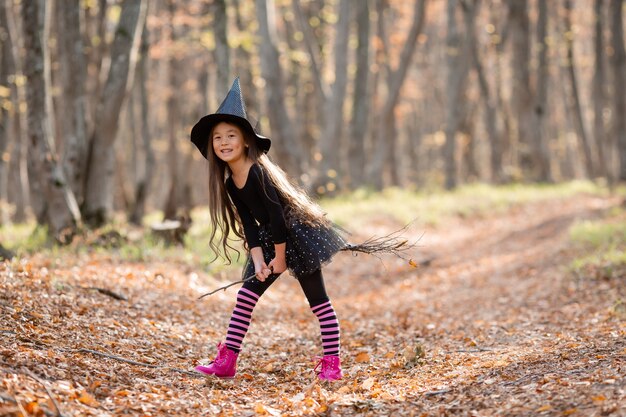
x=503 y=326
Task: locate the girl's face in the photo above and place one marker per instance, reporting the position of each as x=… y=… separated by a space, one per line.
x=228 y=142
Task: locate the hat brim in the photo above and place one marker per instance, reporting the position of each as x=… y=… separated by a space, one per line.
x=201 y=131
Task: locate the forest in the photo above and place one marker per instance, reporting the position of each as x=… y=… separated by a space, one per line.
x=491 y=134
x=98 y=97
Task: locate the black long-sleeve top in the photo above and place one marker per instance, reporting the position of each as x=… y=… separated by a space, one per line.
x=257 y=204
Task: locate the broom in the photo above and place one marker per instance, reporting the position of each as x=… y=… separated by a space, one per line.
x=392 y=244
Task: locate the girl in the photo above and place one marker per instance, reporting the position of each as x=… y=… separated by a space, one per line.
x=283 y=229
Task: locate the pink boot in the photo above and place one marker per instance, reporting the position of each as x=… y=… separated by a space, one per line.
x=224 y=365
x=331 y=368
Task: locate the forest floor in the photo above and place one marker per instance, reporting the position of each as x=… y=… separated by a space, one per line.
x=493 y=322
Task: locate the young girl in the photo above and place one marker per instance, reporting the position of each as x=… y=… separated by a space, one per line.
x=283 y=229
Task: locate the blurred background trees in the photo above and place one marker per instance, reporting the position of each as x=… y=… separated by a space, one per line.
x=97 y=97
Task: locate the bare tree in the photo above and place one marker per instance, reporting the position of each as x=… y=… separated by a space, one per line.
x=501 y=149
x=56 y=206
x=331 y=142
x=574 y=100
x=489 y=111
x=599 y=89
x=221 y=52
x=618 y=67
x=6 y=61
x=287 y=149
x=73 y=75
x=243 y=57
x=521 y=96
x=457 y=68
x=360 y=103
x=99 y=185
x=395 y=81
x=144 y=179
x=540 y=140
x=18 y=96
x=174 y=113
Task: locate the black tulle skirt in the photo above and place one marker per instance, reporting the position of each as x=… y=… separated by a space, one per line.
x=308 y=247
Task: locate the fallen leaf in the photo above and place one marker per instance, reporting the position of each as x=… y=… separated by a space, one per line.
x=362 y=357
x=87 y=399
x=544 y=408
x=344 y=390
x=368 y=383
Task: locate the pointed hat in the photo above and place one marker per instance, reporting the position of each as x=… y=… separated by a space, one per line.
x=232 y=110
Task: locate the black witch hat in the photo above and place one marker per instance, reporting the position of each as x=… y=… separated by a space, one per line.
x=232 y=110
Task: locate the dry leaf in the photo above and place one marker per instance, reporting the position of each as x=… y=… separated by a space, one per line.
x=87 y=399
x=362 y=357
x=368 y=383
x=344 y=390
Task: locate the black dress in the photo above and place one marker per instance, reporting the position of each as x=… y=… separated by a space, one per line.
x=261 y=211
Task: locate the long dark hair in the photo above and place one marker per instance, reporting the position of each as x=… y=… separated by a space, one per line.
x=224 y=218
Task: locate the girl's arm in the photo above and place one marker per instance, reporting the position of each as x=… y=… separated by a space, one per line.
x=278 y=265
x=261 y=269
x=271 y=202
x=251 y=233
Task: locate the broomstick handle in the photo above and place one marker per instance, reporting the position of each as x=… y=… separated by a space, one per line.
x=231 y=284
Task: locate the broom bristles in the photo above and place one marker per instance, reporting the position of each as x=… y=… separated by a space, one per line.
x=392 y=243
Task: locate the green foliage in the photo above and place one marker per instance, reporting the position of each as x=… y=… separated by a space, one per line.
x=353 y=211
x=602 y=244
x=363 y=206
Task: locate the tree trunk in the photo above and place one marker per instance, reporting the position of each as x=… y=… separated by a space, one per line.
x=541 y=148
x=360 y=104
x=99 y=193
x=18 y=94
x=144 y=179
x=73 y=74
x=489 y=111
x=96 y=70
x=396 y=80
x=6 y=69
x=331 y=98
x=221 y=52
x=618 y=66
x=175 y=68
x=599 y=91
x=243 y=63
x=331 y=142
x=503 y=158
x=455 y=87
x=57 y=207
x=289 y=151
x=574 y=100
x=518 y=26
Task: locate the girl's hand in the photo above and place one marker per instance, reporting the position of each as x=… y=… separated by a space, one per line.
x=262 y=271
x=278 y=265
